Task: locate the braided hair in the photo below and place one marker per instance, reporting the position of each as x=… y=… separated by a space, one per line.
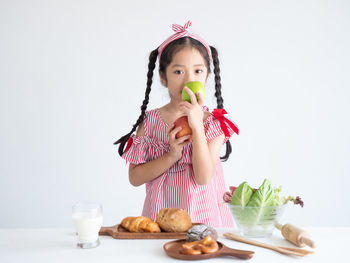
x=219 y=99
x=165 y=59
x=151 y=66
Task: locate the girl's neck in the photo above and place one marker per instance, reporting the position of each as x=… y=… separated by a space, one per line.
x=172 y=106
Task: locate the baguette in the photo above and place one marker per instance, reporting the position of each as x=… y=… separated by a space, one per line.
x=140 y=224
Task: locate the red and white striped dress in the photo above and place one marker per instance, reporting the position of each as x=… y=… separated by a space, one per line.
x=177 y=187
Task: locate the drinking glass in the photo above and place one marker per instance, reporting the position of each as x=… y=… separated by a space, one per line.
x=87 y=220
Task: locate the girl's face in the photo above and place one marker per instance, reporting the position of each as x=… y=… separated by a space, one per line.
x=187 y=65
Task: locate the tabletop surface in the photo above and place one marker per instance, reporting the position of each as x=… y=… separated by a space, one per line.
x=59 y=245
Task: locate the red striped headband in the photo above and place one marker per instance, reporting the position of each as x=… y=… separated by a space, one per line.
x=182 y=31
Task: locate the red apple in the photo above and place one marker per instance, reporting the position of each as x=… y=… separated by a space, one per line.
x=186 y=129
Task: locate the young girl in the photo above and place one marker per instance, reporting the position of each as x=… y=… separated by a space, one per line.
x=185 y=172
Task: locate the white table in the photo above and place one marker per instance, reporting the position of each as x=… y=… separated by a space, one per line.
x=59 y=245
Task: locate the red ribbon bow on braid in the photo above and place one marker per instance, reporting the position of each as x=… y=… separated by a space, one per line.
x=219 y=115
x=128 y=145
x=182 y=31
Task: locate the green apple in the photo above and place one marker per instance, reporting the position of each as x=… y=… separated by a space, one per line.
x=195 y=86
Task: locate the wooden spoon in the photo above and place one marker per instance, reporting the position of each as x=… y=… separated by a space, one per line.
x=298 y=250
x=284 y=250
x=173 y=248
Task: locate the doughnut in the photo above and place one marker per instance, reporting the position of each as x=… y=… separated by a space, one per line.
x=205 y=246
x=208 y=245
x=191 y=248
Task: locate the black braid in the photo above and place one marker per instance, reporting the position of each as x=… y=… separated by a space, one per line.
x=219 y=99
x=151 y=66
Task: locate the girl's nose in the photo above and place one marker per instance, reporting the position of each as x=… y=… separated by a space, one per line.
x=190 y=77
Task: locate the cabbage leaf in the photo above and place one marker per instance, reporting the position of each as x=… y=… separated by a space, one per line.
x=242 y=195
x=261 y=202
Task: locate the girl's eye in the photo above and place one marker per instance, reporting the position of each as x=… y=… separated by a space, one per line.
x=178 y=72
x=198 y=71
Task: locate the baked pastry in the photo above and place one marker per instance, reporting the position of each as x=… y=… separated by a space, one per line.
x=198 y=232
x=140 y=224
x=206 y=245
x=173 y=220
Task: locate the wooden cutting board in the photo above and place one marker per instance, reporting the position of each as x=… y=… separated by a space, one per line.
x=119 y=232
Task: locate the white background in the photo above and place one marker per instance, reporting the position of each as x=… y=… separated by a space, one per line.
x=73 y=77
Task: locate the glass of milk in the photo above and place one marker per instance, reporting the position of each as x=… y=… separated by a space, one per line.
x=87 y=220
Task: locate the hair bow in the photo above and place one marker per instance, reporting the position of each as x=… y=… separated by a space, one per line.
x=182 y=31
x=219 y=115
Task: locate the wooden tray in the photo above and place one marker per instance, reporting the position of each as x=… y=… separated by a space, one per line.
x=173 y=248
x=120 y=232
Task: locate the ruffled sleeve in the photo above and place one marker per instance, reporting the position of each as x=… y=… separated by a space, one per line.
x=214 y=128
x=144 y=149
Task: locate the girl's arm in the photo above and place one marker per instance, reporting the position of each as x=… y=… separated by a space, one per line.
x=143 y=173
x=205 y=155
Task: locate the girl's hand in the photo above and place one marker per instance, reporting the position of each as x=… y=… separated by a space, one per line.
x=193 y=110
x=176 y=145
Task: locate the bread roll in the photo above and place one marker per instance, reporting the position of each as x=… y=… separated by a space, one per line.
x=140 y=224
x=173 y=220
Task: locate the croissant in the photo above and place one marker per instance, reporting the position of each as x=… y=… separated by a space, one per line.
x=140 y=224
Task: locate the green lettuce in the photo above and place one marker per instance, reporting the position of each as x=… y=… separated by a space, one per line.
x=242 y=195
x=277 y=199
x=264 y=196
x=260 y=205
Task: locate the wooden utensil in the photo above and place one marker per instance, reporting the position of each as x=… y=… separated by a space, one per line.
x=119 y=232
x=173 y=248
x=298 y=250
x=283 y=250
x=296 y=235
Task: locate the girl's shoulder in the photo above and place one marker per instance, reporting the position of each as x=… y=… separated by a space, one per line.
x=150 y=116
x=152 y=123
x=151 y=113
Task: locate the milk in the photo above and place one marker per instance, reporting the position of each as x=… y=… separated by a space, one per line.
x=87 y=224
